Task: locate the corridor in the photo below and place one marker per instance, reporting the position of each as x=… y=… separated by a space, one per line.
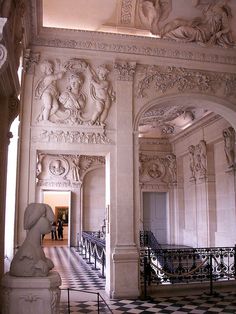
x=77 y=274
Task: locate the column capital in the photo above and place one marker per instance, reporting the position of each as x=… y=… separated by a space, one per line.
x=125 y=70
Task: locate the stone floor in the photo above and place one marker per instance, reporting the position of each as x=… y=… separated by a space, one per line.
x=76 y=274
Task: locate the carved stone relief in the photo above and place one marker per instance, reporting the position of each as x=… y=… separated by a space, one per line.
x=126 y=12
x=157 y=169
x=73 y=137
x=212 y=27
x=125 y=70
x=229 y=146
x=70 y=106
x=165 y=79
x=198 y=161
x=61 y=170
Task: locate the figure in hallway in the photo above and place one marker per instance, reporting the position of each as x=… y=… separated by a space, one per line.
x=229 y=141
x=30 y=260
x=74 y=99
x=46 y=90
x=102 y=93
x=54 y=231
x=60 y=229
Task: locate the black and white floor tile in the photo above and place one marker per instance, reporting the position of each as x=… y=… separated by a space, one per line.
x=77 y=274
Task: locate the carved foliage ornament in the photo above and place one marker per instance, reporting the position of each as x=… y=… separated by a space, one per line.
x=166 y=78
x=126 y=11
x=125 y=70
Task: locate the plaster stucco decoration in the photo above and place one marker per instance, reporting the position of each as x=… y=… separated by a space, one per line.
x=67 y=106
x=72 y=137
x=30 y=60
x=229 y=146
x=182 y=80
x=198 y=161
x=125 y=70
x=65 y=170
x=169 y=119
x=152 y=169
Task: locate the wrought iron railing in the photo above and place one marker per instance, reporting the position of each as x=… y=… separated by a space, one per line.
x=186 y=265
x=93 y=250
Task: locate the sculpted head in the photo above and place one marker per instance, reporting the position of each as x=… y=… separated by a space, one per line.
x=38 y=214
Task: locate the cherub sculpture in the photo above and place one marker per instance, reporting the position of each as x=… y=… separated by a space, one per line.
x=30 y=260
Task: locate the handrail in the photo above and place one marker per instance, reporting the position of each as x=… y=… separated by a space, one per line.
x=92 y=246
x=89 y=292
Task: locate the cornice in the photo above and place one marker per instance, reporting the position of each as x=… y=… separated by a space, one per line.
x=132 y=45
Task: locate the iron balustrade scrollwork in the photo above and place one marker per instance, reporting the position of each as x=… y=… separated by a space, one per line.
x=93 y=249
x=185 y=265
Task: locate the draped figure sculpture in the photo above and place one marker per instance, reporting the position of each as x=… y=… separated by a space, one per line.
x=30 y=260
x=212 y=28
x=229 y=141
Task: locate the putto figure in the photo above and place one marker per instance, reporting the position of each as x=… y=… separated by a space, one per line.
x=46 y=90
x=102 y=93
x=30 y=260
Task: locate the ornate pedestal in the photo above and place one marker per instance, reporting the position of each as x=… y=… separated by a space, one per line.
x=32 y=295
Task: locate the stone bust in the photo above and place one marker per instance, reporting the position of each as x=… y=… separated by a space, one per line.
x=30 y=260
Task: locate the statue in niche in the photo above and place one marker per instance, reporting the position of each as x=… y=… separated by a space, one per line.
x=74 y=99
x=56 y=167
x=172 y=167
x=201 y=155
x=191 y=150
x=76 y=169
x=152 y=12
x=46 y=90
x=229 y=141
x=30 y=260
x=212 y=28
x=102 y=93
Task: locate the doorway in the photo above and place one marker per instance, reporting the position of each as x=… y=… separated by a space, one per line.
x=60 y=201
x=155 y=215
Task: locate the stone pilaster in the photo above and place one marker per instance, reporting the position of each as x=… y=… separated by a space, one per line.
x=125 y=254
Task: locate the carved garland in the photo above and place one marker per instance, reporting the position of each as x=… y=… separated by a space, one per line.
x=166 y=78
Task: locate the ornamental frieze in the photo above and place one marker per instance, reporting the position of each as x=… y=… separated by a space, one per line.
x=61 y=136
x=163 y=79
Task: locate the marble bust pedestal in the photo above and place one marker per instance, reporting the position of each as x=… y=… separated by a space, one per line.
x=31 y=295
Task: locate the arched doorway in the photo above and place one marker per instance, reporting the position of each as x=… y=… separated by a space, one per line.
x=168 y=128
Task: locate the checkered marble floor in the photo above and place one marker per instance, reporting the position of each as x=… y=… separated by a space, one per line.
x=77 y=274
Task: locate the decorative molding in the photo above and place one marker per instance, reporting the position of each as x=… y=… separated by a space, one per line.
x=60 y=136
x=135 y=49
x=125 y=70
x=182 y=79
x=126 y=12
